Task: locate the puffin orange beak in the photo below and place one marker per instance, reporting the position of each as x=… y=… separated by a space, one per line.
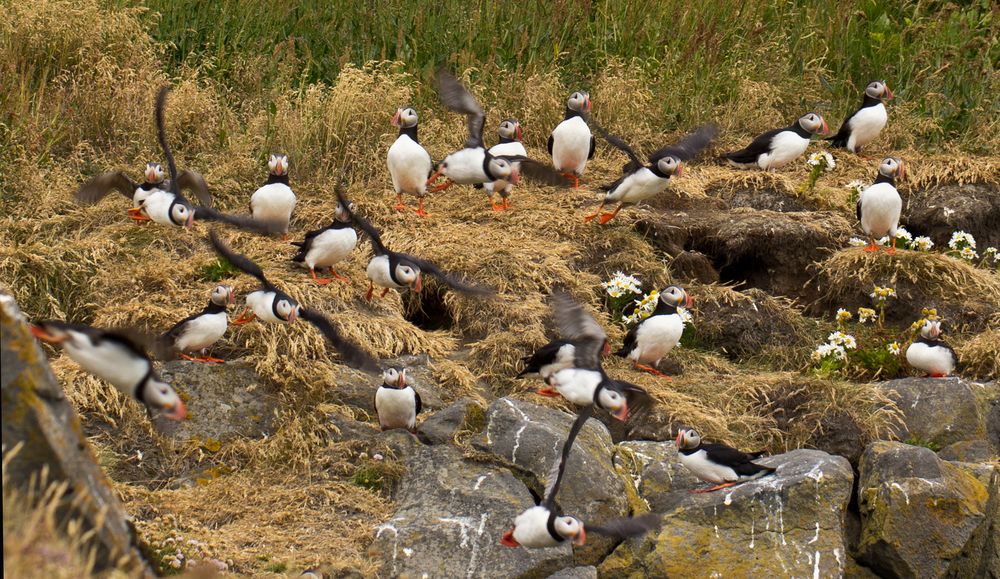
x=515 y=175
x=232 y=297
x=41 y=334
x=508 y=539
x=517 y=131
x=588 y=104
x=606 y=351
x=677 y=441
x=401 y=382
x=548 y=392
x=888 y=93
x=190 y=222
x=902 y=171
x=580 y=537
x=688 y=300
x=620 y=414
x=826 y=129
x=680 y=169
x=178 y=412
x=292 y=315
x=419 y=284
x=150 y=175
x=395 y=117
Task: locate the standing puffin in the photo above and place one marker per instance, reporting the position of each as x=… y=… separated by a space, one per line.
x=155 y=181
x=641 y=182
x=391 y=270
x=585 y=383
x=274 y=201
x=779 y=147
x=473 y=164
x=864 y=124
x=930 y=354
x=543 y=526
x=653 y=338
x=196 y=333
x=396 y=403
x=409 y=163
x=717 y=463
x=117 y=357
x=509 y=145
x=880 y=205
x=326 y=247
x=571 y=143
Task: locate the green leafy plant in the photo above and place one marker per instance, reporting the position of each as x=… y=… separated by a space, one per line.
x=217 y=270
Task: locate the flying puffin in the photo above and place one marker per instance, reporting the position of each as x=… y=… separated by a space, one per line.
x=391 y=270
x=473 y=164
x=326 y=247
x=880 y=205
x=274 y=201
x=197 y=332
x=930 y=354
x=571 y=143
x=779 y=147
x=717 y=463
x=585 y=383
x=509 y=145
x=155 y=181
x=396 y=403
x=270 y=304
x=864 y=124
x=653 y=338
x=409 y=163
x=640 y=182
x=117 y=357
x=543 y=526
x=552 y=357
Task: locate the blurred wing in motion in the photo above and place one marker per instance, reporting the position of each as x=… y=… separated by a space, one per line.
x=97 y=188
x=449 y=280
x=690 y=146
x=536 y=171
x=559 y=467
x=191 y=181
x=581 y=328
x=363 y=223
x=243 y=222
x=349 y=351
x=617 y=142
x=240 y=261
x=458 y=99
x=627 y=527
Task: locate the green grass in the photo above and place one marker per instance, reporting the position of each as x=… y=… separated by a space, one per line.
x=217 y=270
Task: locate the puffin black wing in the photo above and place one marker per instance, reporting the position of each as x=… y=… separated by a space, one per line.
x=638 y=399
x=98 y=187
x=416 y=396
x=857 y=208
x=363 y=223
x=449 y=280
x=191 y=181
x=536 y=171
x=690 y=146
x=549 y=145
x=349 y=351
x=630 y=341
x=240 y=261
x=759 y=146
x=457 y=98
x=620 y=144
x=243 y=222
x=559 y=467
x=627 y=527
x=542 y=356
x=844 y=133
x=579 y=327
x=741 y=462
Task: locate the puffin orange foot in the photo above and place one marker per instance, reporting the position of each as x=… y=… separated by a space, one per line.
x=651 y=370
x=715 y=488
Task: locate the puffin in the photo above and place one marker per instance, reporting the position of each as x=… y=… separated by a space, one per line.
x=653 y=338
x=552 y=357
x=571 y=143
x=864 y=125
x=543 y=525
x=779 y=147
x=392 y=270
x=272 y=305
x=409 y=163
x=585 y=382
x=717 y=463
x=642 y=181
x=326 y=247
x=98 y=188
x=473 y=164
x=930 y=354
x=117 y=356
x=879 y=205
x=396 y=403
x=510 y=144
x=197 y=332
x=274 y=201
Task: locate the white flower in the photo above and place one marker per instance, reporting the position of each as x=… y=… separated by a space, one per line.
x=614 y=292
x=830 y=163
x=849 y=342
x=883 y=240
x=968 y=253
x=922 y=243
x=815 y=159
x=843 y=316
x=866 y=315
x=991 y=253
x=959 y=238
x=839 y=338
x=902 y=233
x=893 y=348
x=621 y=283
x=857 y=186
x=685 y=315
x=855 y=242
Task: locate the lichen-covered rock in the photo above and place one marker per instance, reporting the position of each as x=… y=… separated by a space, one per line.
x=967 y=451
x=440 y=427
x=575 y=573
x=662 y=481
x=450 y=516
x=921 y=516
x=37 y=416
x=789 y=524
x=941 y=411
x=532 y=436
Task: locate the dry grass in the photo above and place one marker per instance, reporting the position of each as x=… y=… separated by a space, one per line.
x=980 y=356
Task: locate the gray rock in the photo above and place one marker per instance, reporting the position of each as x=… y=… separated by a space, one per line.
x=967 y=451
x=37 y=416
x=662 y=481
x=941 y=411
x=450 y=516
x=575 y=573
x=789 y=524
x=348 y=429
x=440 y=427
x=938 y=211
x=921 y=516
x=767 y=198
x=531 y=437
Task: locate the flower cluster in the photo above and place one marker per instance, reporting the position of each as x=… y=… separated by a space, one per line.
x=621 y=284
x=643 y=309
x=866 y=315
x=843 y=316
x=176 y=553
x=685 y=315
x=904 y=239
x=856 y=188
x=840 y=338
x=961 y=239
x=856 y=242
x=967 y=253
x=833 y=351
x=881 y=294
x=823 y=160
x=922 y=243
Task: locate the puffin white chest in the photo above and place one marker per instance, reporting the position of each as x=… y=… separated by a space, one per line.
x=656 y=336
x=141 y=194
x=531 y=528
x=109 y=361
x=866 y=125
x=202 y=332
x=577 y=384
x=156 y=206
x=880 y=209
x=273 y=202
x=331 y=247
x=932 y=359
x=513 y=148
x=562 y=360
x=409 y=165
x=638 y=186
x=262 y=304
x=466 y=166
x=700 y=466
x=378 y=272
x=571 y=145
x=786 y=146
x=396 y=407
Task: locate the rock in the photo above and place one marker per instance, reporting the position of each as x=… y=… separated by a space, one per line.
x=450 y=516
x=993 y=426
x=967 y=451
x=662 y=481
x=224 y=401
x=357 y=389
x=37 y=416
x=440 y=427
x=689 y=266
x=575 y=573
x=741 y=324
x=921 y=516
x=937 y=212
x=347 y=429
x=840 y=434
x=768 y=198
x=789 y=524
x=531 y=437
x=938 y=411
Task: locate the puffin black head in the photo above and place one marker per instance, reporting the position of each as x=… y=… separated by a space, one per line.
x=181 y=213
x=502 y=169
x=931 y=330
x=676 y=296
x=877 y=89
x=571 y=528
x=277 y=165
x=287 y=309
x=814 y=124
x=670 y=166
x=394 y=377
x=614 y=402
x=892 y=167
x=687 y=438
x=409 y=274
x=157 y=394
x=579 y=102
x=405 y=118
x=154 y=173
x=510 y=129
x=223 y=295
x=342 y=213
